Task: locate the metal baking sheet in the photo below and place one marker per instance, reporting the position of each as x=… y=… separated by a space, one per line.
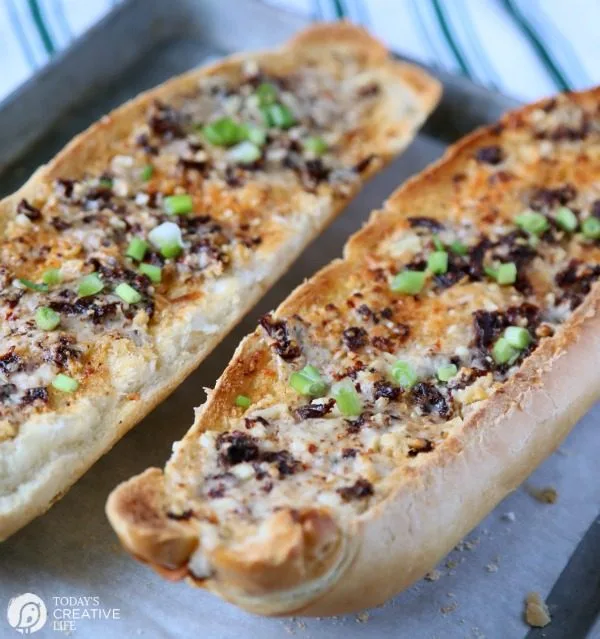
x=71 y=553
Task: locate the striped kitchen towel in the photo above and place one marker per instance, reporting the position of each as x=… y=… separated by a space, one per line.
x=32 y=31
x=523 y=48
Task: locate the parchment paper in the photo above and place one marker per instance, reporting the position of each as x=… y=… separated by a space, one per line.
x=479 y=592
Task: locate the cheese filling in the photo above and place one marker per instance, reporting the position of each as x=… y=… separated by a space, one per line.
x=88 y=255
x=414 y=359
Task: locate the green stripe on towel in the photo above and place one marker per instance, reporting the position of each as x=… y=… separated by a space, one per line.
x=478 y=55
x=556 y=74
x=339 y=9
x=449 y=36
x=36 y=14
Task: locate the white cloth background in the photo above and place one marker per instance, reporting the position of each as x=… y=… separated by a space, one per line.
x=523 y=48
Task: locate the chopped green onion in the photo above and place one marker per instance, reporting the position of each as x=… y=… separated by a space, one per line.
x=255 y=134
x=447 y=372
x=347 y=399
x=437 y=262
x=65 y=383
x=315 y=145
x=308 y=381
x=105 y=182
x=167 y=238
x=127 y=293
x=282 y=116
x=532 y=222
x=224 y=132
x=408 y=282
x=439 y=246
x=170 y=250
x=503 y=351
x=40 y=288
x=591 y=228
x=566 y=219
x=137 y=249
x=506 y=273
x=52 y=277
x=266 y=93
x=153 y=272
x=458 y=248
x=146 y=172
x=266 y=113
x=242 y=401
x=278 y=115
x=89 y=285
x=178 y=204
x=245 y=153
x=46 y=319
x=490 y=272
x=518 y=337
x=404 y=374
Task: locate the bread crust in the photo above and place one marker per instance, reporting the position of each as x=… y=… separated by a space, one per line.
x=92 y=425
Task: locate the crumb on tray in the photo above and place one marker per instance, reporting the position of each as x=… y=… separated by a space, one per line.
x=536 y=611
x=546 y=495
x=433 y=575
x=446 y=610
x=467 y=544
x=451 y=564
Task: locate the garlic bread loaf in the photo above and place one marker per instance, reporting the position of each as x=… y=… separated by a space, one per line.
x=395 y=398
x=128 y=257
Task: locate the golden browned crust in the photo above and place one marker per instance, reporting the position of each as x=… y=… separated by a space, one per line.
x=389 y=131
x=432 y=504
x=172 y=542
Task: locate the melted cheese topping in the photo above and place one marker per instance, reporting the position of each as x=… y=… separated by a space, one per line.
x=291 y=451
x=239 y=213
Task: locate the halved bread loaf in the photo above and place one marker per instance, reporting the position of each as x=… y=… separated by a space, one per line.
x=129 y=256
x=397 y=396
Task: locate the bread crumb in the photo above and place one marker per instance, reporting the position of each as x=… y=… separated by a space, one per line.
x=446 y=610
x=471 y=545
x=494 y=564
x=510 y=516
x=362 y=617
x=468 y=544
x=536 y=611
x=451 y=564
x=546 y=495
x=433 y=575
